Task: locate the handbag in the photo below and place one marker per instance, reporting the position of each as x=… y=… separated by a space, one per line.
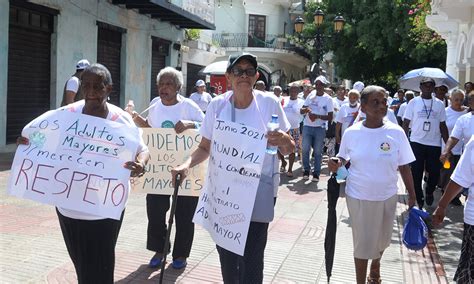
x=415 y=231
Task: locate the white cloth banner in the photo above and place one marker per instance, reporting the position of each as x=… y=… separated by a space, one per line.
x=226 y=202
x=75 y=161
x=168 y=150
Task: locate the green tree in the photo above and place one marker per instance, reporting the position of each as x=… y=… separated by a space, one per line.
x=381 y=39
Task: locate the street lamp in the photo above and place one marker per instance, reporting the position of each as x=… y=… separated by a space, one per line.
x=318 y=18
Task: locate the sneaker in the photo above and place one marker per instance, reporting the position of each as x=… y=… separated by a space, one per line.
x=179 y=264
x=315 y=178
x=306 y=175
x=429 y=199
x=154 y=262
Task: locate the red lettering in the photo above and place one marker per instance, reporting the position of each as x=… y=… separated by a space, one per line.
x=61 y=181
x=123 y=194
x=38 y=177
x=73 y=180
x=92 y=188
x=24 y=171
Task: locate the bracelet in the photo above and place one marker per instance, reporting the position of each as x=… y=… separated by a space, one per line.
x=196 y=125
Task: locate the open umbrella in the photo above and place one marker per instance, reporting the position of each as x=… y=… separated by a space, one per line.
x=331 y=225
x=411 y=80
x=216 y=68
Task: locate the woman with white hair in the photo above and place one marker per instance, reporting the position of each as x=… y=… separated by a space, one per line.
x=170 y=110
x=453 y=112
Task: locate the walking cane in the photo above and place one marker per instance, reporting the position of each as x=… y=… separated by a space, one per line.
x=177 y=183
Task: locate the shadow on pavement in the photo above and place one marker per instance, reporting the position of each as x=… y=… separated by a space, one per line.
x=143 y=274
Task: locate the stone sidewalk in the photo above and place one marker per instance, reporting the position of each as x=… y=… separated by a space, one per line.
x=32 y=249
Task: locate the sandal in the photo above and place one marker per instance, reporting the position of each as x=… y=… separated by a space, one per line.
x=371 y=280
x=282 y=169
x=289 y=174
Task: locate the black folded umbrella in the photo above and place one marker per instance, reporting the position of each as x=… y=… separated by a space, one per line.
x=331 y=225
x=174 y=200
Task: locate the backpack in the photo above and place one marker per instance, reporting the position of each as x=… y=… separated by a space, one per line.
x=415 y=231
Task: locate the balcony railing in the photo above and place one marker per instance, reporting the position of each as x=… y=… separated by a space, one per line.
x=248 y=40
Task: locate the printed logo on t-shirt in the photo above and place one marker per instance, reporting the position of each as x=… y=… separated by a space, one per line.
x=167 y=124
x=385 y=147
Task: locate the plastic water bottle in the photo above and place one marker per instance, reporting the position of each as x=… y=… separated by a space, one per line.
x=272 y=126
x=130 y=106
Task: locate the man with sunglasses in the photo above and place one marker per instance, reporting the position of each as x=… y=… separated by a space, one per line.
x=427 y=115
x=253 y=108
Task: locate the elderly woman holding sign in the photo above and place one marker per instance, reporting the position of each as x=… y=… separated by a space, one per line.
x=254 y=109
x=170 y=110
x=91 y=239
x=376 y=149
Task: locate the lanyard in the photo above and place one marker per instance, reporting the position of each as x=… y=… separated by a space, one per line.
x=428 y=113
x=231 y=99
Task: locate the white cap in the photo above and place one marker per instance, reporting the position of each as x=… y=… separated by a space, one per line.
x=321 y=79
x=200 y=83
x=82 y=64
x=359 y=86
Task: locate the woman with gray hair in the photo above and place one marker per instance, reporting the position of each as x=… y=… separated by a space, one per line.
x=170 y=110
x=376 y=149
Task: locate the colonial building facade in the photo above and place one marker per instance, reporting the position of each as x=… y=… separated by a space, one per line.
x=41 y=41
x=454 y=21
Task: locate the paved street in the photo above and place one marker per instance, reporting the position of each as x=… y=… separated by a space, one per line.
x=32 y=249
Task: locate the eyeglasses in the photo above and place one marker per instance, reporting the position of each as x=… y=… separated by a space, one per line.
x=239 y=72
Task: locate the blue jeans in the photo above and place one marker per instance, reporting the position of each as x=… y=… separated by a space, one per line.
x=313 y=137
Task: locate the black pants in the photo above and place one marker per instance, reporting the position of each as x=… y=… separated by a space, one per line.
x=91 y=246
x=445 y=174
x=156 y=207
x=247 y=268
x=427 y=157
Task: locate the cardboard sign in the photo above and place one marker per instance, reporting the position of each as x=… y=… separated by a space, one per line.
x=235 y=164
x=168 y=150
x=75 y=161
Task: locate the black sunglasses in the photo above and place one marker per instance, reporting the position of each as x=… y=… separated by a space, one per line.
x=239 y=72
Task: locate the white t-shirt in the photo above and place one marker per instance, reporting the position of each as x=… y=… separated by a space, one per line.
x=346 y=116
x=464 y=128
x=339 y=103
x=464 y=176
x=390 y=116
x=72 y=84
x=423 y=112
x=321 y=105
x=257 y=115
x=375 y=155
x=161 y=116
x=451 y=118
x=201 y=100
x=292 y=110
x=401 y=110
x=115 y=114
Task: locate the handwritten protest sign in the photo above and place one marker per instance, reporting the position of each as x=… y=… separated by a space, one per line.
x=167 y=150
x=235 y=164
x=75 y=161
